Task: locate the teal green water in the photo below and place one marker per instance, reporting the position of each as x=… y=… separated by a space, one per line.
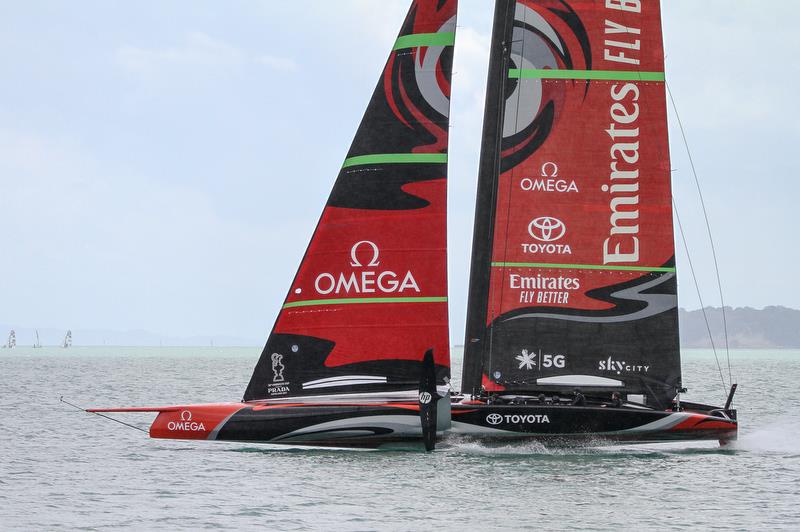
x=63 y=469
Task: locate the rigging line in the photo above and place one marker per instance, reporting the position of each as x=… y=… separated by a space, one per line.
x=708 y=229
x=699 y=295
x=101 y=415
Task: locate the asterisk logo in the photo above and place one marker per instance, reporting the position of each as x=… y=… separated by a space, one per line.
x=526 y=360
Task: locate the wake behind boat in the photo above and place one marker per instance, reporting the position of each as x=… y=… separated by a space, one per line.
x=572 y=328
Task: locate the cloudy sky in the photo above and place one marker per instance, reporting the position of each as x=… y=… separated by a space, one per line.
x=163 y=163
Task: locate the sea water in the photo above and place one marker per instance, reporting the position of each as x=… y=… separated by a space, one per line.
x=64 y=469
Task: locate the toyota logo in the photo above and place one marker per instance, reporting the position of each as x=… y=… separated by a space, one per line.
x=547 y=229
x=494 y=419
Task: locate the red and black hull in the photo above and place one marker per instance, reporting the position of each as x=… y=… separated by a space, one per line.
x=375 y=425
x=365 y=425
x=369 y=425
x=564 y=424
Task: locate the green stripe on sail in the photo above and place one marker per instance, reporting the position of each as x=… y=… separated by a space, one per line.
x=610 y=75
x=425 y=39
x=396 y=158
x=364 y=300
x=582 y=267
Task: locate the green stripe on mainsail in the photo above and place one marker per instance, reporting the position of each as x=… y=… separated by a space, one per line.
x=396 y=158
x=582 y=267
x=610 y=75
x=425 y=39
x=364 y=300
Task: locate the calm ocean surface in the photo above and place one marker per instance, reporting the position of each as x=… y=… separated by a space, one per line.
x=64 y=469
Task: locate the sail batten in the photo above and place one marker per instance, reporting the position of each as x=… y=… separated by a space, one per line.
x=445 y=38
x=606 y=75
x=364 y=301
x=573 y=273
x=396 y=158
x=582 y=267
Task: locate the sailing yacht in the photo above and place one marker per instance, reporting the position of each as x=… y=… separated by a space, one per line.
x=12 y=340
x=359 y=353
x=572 y=328
x=572 y=322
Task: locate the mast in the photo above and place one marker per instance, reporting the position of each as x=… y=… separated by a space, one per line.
x=38 y=343
x=573 y=273
x=67 y=340
x=483 y=228
x=370 y=296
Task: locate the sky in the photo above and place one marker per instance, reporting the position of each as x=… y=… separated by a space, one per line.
x=163 y=163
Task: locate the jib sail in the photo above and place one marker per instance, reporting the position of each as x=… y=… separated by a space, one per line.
x=370 y=296
x=573 y=273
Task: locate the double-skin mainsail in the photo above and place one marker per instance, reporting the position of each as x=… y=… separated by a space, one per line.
x=573 y=270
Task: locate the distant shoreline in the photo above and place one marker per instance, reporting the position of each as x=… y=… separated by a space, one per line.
x=773 y=327
x=51 y=350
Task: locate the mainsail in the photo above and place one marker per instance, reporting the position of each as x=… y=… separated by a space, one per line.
x=573 y=273
x=370 y=296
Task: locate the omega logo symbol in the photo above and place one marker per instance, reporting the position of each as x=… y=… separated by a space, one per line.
x=355 y=263
x=553 y=167
x=186 y=415
x=547 y=229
